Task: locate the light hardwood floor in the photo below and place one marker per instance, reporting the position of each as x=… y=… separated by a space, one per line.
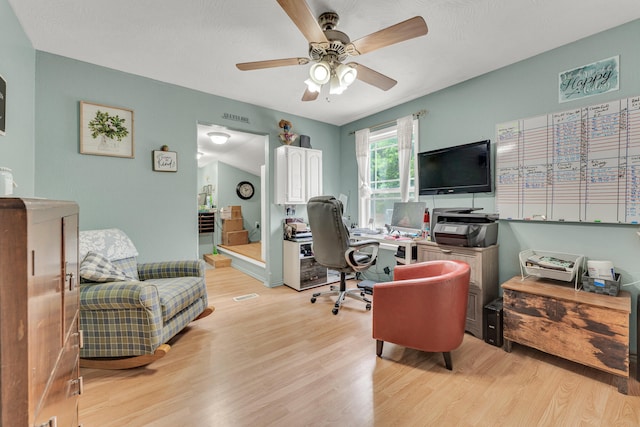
x=278 y=360
x=252 y=250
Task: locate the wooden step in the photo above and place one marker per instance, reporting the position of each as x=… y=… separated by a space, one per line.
x=217 y=260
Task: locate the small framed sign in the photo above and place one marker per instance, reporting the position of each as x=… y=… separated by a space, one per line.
x=588 y=80
x=165 y=161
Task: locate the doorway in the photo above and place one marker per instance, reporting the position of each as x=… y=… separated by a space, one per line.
x=223 y=169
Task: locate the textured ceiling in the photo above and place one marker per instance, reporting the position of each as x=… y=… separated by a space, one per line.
x=196 y=43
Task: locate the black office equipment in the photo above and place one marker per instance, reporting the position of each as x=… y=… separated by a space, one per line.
x=493 y=323
x=463 y=227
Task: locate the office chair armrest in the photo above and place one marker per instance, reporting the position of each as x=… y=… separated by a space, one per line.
x=363 y=243
x=358 y=260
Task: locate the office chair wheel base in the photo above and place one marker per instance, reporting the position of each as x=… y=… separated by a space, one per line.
x=313 y=300
x=368 y=307
x=334 y=311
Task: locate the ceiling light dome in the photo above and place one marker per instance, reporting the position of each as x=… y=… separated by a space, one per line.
x=346 y=74
x=335 y=88
x=218 y=137
x=320 y=72
x=312 y=86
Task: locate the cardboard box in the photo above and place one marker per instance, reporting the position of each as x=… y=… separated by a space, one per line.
x=231 y=212
x=232 y=225
x=232 y=238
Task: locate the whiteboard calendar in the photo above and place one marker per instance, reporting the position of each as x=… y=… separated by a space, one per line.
x=576 y=165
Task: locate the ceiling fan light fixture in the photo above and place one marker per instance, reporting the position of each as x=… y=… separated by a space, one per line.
x=219 y=137
x=346 y=74
x=312 y=86
x=335 y=88
x=320 y=72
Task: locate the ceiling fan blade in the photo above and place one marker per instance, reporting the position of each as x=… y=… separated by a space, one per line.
x=406 y=30
x=245 y=66
x=309 y=95
x=373 y=77
x=301 y=15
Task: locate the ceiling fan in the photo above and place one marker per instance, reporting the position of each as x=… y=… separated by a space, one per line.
x=329 y=48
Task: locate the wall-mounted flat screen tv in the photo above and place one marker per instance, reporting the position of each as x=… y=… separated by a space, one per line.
x=459 y=169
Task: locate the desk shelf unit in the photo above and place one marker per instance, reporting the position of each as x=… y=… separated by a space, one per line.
x=483 y=286
x=301 y=270
x=206 y=222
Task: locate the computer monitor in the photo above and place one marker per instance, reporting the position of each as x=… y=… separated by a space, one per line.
x=408 y=217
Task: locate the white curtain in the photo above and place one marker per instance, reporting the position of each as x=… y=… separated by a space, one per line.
x=364 y=177
x=405 y=133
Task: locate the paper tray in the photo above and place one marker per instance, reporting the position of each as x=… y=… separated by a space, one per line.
x=548 y=273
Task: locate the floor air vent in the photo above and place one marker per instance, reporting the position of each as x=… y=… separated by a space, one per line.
x=245 y=297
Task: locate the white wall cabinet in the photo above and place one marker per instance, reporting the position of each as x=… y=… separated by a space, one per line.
x=298 y=174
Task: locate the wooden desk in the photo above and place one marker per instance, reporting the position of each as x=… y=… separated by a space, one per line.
x=580 y=326
x=389 y=243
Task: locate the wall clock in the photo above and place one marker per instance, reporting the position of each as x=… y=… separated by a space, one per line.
x=245 y=190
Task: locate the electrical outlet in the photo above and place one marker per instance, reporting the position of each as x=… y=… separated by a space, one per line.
x=257 y=224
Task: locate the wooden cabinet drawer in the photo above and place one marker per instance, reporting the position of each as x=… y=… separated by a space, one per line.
x=455 y=255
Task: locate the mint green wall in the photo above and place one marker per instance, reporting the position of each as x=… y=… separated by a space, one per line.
x=158 y=210
x=18 y=68
x=469 y=111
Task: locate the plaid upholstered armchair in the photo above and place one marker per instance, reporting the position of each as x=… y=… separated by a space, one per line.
x=128 y=311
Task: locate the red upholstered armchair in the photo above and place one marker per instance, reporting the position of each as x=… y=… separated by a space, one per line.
x=424 y=308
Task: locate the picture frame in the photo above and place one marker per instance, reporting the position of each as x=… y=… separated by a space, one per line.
x=3 y=105
x=588 y=80
x=165 y=161
x=106 y=131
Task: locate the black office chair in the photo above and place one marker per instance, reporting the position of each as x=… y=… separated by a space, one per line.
x=333 y=249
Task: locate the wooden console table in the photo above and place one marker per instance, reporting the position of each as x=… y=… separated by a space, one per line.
x=583 y=327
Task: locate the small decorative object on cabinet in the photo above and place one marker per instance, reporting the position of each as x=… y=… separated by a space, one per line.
x=579 y=326
x=287 y=136
x=40 y=382
x=483 y=286
x=298 y=174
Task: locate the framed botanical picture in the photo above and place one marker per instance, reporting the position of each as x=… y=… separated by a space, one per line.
x=106 y=131
x=165 y=161
x=3 y=105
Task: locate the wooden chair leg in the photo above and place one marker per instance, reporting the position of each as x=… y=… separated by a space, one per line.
x=207 y=311
x=379 y=345
x=447 y=360
x=125 y=362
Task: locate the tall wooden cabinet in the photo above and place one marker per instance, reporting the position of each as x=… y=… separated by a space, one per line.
x=40 y=378
x=483 y=285
x=298 y=174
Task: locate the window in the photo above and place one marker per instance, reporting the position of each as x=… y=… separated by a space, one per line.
x=384 y=174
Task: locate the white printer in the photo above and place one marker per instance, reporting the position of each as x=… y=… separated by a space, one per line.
x=463 y=227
